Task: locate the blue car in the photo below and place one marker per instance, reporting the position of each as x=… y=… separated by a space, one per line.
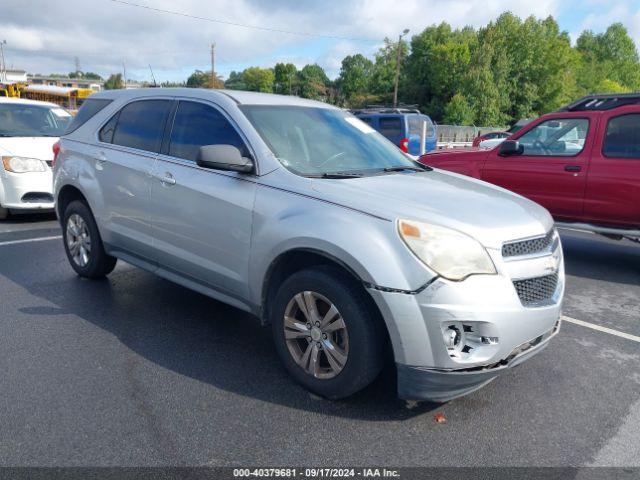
x=402 y=126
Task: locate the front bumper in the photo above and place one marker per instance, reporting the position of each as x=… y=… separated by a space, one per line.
x=419 y=383
x=493 y=322
x=27 y=191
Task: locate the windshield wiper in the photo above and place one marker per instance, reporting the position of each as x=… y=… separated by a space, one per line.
x=340 y=175
x=402 y=168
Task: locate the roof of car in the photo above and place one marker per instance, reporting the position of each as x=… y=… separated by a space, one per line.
x=605 y=101
x=238 y=96
x=26 y=101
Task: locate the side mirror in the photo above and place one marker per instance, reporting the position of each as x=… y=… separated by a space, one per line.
x=223 y=157
x=510 y=147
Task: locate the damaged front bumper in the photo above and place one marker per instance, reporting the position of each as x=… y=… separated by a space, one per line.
x=421 y=383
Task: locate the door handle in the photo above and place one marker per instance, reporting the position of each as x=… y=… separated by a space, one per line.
x=572 y=168
x=166 y=179
x=100 y=159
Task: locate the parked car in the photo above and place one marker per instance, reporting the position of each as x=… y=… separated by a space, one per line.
x=489 y=136
x=300 y=213
x=28 y=129
x=402 y=126
x=581 y=162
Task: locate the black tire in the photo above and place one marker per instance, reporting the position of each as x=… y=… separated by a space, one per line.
x=99 y=263
x=4 y=213
x=366 y=334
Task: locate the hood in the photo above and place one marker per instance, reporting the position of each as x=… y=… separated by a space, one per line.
x=32 y=147
x=471 y=152
x=490 y=214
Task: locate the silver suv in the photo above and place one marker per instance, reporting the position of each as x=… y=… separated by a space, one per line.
x=305 y=216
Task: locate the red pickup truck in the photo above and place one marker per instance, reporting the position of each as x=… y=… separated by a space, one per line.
x=582 y=163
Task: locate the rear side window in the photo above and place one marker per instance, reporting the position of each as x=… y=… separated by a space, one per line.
x=139 y=125
x=196 y=125
x=89 y=108
x=391 y=126
x=622 y=139
x=415 y=125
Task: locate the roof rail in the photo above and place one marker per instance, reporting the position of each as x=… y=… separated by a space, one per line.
x=602 y=101
x=387 y=109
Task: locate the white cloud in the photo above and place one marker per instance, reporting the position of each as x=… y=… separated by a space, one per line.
x=46 y=36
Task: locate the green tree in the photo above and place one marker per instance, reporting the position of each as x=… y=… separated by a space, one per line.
x=611 y=56
x=285 y=78
x=435 y=70
x=313 y=82
x=355 y=78
x=200 y=79
x=258 y=79
x=114 y=82
x=235 y=81
x=458 y=111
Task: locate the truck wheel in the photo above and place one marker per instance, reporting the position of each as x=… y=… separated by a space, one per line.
x=4 y=213
x=325 y=332
x=83 y=244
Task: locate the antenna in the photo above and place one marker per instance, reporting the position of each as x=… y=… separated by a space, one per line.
x=153 y=76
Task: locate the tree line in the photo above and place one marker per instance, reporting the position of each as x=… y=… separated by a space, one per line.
x=495 y=75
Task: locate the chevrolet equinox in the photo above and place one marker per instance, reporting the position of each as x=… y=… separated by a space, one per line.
x=302 y=214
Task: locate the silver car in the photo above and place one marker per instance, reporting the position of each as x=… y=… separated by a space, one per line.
x=303 y=215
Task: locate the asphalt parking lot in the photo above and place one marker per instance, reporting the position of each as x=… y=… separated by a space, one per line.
x=135 y=370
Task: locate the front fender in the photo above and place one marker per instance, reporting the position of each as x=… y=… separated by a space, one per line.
x=369 y=246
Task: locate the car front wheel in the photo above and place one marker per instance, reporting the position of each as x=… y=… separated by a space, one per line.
x=83 y=244
x=326 y=333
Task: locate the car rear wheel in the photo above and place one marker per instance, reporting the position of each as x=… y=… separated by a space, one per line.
x=83 y=244
x=325 y=332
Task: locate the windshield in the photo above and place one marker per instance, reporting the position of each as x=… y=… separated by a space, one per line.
x=315 y=141
x=24 y=120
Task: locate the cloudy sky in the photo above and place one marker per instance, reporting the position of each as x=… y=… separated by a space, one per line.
x=45 y=36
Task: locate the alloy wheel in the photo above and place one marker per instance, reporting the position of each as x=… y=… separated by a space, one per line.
x=316 y=335
x=78 y=240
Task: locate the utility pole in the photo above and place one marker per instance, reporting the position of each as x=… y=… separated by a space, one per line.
x=77 y=65
x=3 y=66
x=153 y=76
x=213 y=65
x=124 y=74
x=395 y=87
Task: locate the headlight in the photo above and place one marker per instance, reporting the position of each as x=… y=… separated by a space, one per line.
x=450 y=253
x=23 y=164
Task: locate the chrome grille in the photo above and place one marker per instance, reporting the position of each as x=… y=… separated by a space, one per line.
x=536 y=291
x=528 y=247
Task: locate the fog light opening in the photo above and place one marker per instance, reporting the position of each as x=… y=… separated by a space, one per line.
x=452 y=337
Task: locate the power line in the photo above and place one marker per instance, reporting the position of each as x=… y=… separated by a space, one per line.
x=243 y=25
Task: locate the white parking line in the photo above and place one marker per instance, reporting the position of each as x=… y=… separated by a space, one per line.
x=28 y=240
x=599 y=328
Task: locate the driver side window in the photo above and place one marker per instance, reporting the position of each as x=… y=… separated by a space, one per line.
x=556 y=138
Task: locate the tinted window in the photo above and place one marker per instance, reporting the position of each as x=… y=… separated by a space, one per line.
x=622 y=138
x=140 y=124
x=89 y=108
x=197 y=124
x=391 y=127
x=556 y=138
x=106 y=132
x=367 y=120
